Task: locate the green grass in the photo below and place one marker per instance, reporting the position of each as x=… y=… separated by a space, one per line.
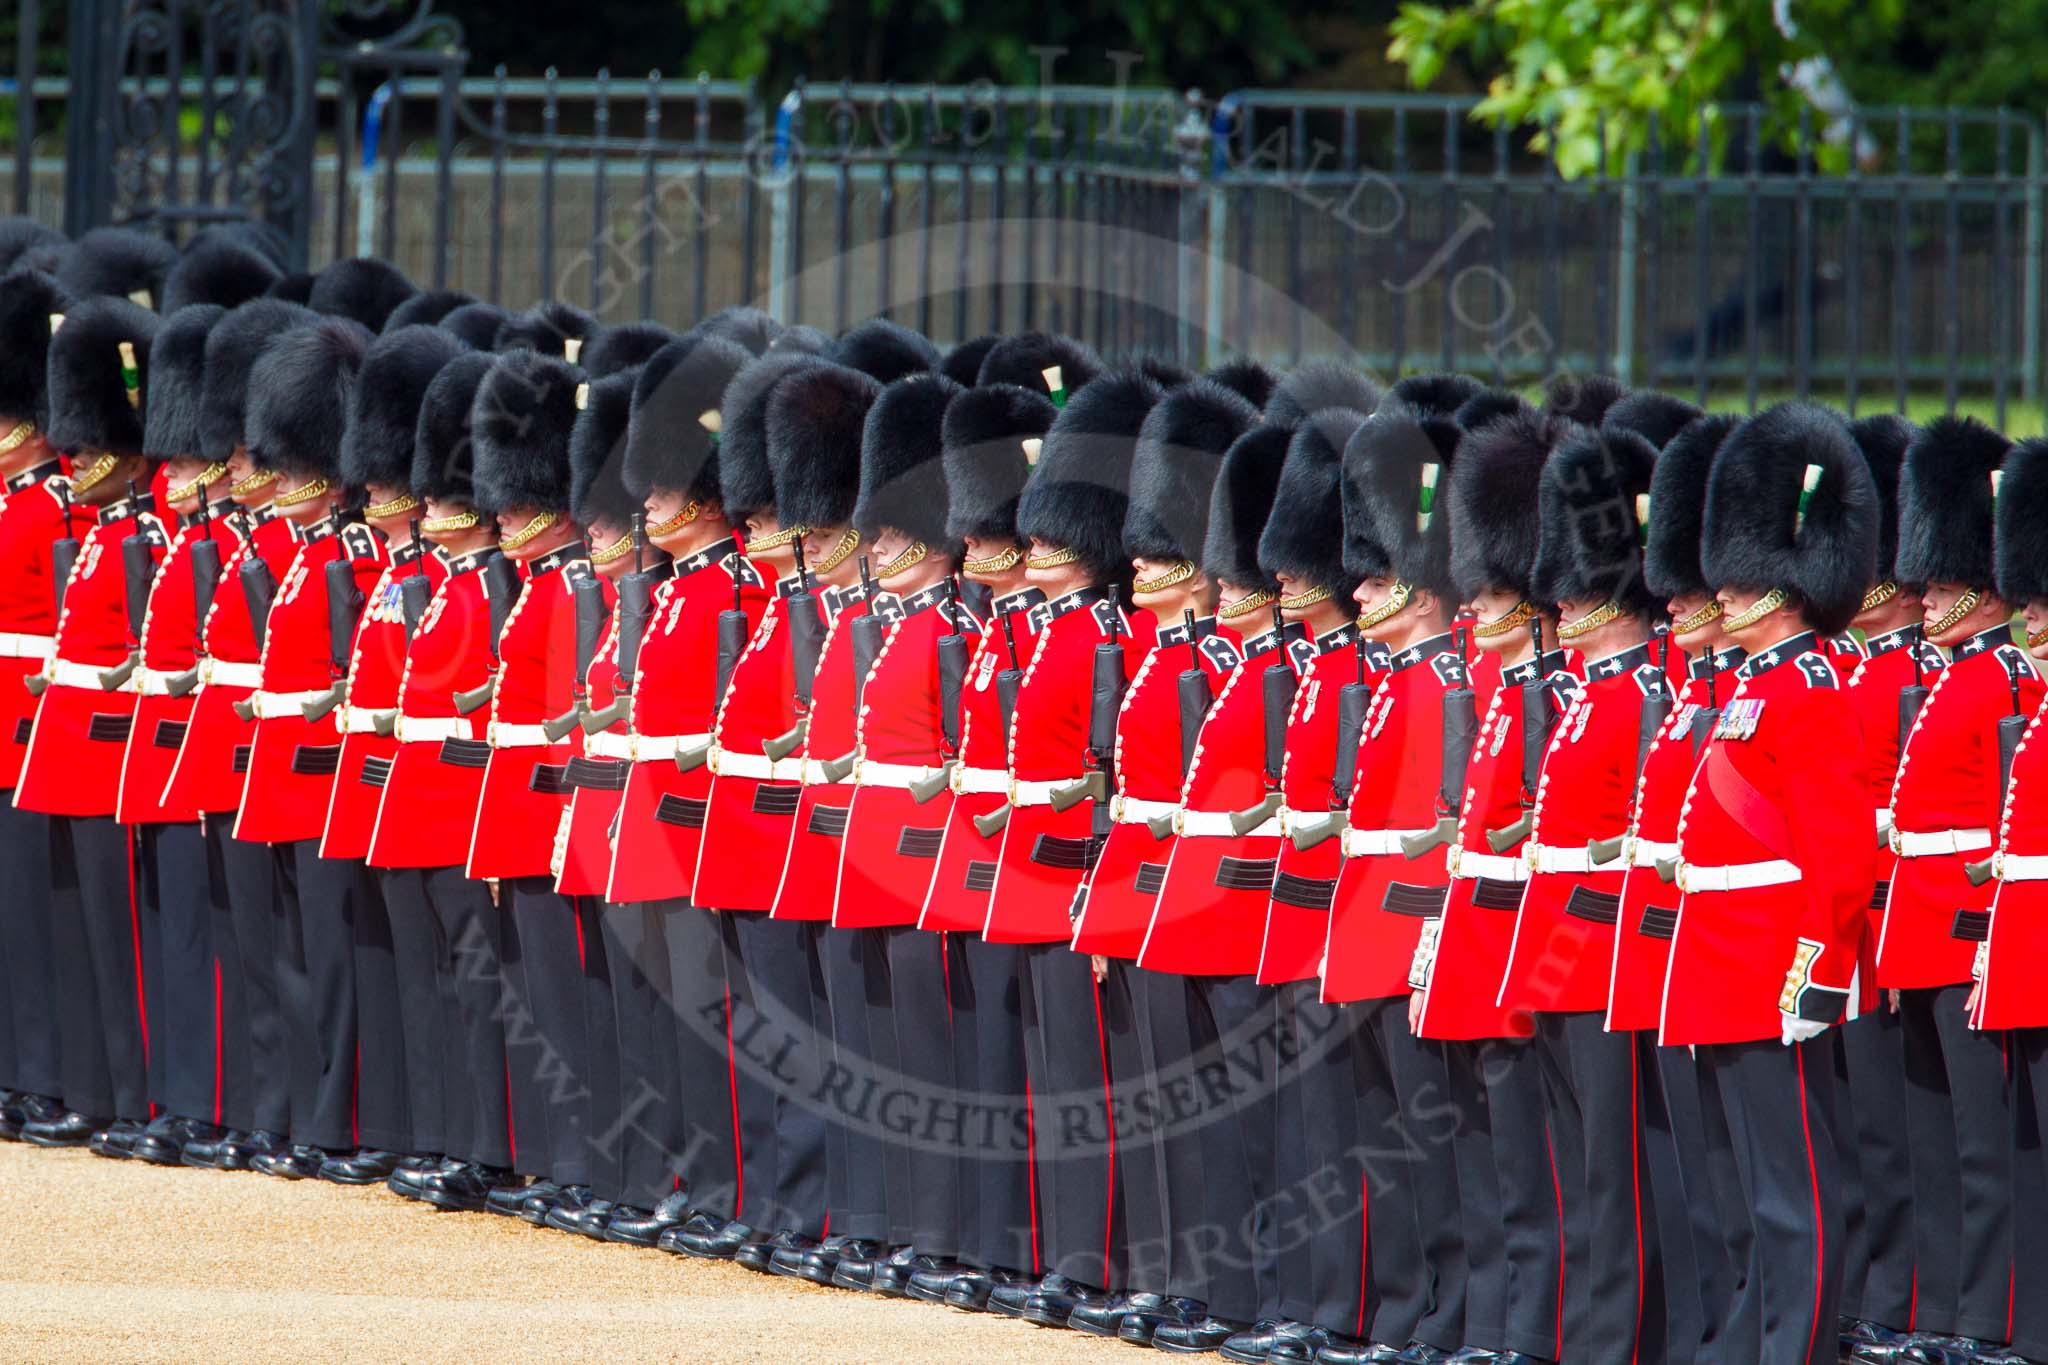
x=2021 y=419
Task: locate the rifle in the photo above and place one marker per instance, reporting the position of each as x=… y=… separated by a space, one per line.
x=63 y=559
x=806 y=643
x=867 y=631
x=1538 y=717
x=1354 y=699
x=205 y=553
x=1656 y=710
x=732 y=639
x=501 y=589
x=138 y=567
x=952 y=683
x=1911 y=699
x=2011 y=730
x=1195 y=697
x=417 y=590
x=1277 y=687
x=1461 y=729
x=636 y=612
x=1105 y=701
x=1008 y=681
x=344 y=608
x=587 y=595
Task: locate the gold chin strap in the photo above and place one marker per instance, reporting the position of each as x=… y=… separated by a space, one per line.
x=839 y=553
x=1397 y=601
x=612 y=553
x=1001 y=563
x=198 y=485
x=1066 y=554
x=1692 y=621
x=262 y=478
x=1178 y=573
x=1601 y=615
x=1763 y=606
x=759 y=545
x=94 y=473
x=397 y=507
x=305 y=492
x=21 y=435
x=1245 y=606
x=459 y=521
x=689 y=513
x=1878 y=596
x=1305 y=599
x=911 y=557
x=1956 y=614
x=525 y=534
x=2037 y=638
x=1524 y=611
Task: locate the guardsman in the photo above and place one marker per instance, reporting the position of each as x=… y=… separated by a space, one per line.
x=1593 y=504
x=1061 y=729
x=35 y=512
x=427 y=806
x=97 y=385
x=364 y=288
x=1172 y=1272
x=1775 y=868
x=1944 y=806
x=674 y=653
x=988 y=440
x=299 y=394
x=550 y=328
x=1507 y=1194
x=211 y=762
x=397 y=983
x=520 y=423
x=1886 y=682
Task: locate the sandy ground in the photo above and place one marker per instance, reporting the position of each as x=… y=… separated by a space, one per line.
x=110 y=1260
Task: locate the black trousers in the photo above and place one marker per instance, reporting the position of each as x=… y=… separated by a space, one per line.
x=418 y=953
x=1878 y=1269
x=1594 y=1097
x=316 y=976
x=1959 y=1122
x=1783 y=1227
x=855 y=977
x=781 y=1063
x=477 y=995
x=704 y=1151
x=1145 y=1015
x=1066 y=1027
x=1234 y=1078
x=998 y=1208
x=384 y=1112
x=1319 y=1161
x=260 y=1082
x=185 y=1032
x=605 y=1113
x=2030 y=1182
x=926 y=1111
x=29 y=974
x=643 y=1144
x=1507 y=1189
x=1698 y=1278
x=97 y=955
x=547 y=1041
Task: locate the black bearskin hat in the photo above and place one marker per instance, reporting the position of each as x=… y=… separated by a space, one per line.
x=597 y=454
x=1883 y=439
x=1678 y=507
x=1173 y=475
x=1650 y=414
x=1304 y=535
x=91 y=406
x=426 y=308
x=21 y=237
x=1165 y=373
x=1397 y=482
x=884 y=351
x=1246 y=377
x=799 y=338
x=1584 y=399
x=1078 y=491
x=385 y=417
x=1945 y=494
x=1239 y=505
x=1592 y=543
x=520 y=424
x=1754 y=536
x=625 y=347
x=746 y=480
x=122 y=263
x=667 y=443
x=27 y=298
x=902 y=473
x=551 y=328
x=962 y=364
x=265 y=239
x=177 y=381
x=1317 y=385
x=231 y=350
x=220 y=271
x=815 y=419
x=294 y=286
x=476 y=324
x=2023 y=523
x=1489 y=405
x=443 y=456
x=1494 y=521
x=1024 y=358
x=300 y=392
x=361 y=287
x=986 y=467
x=1436 y=395
x=749 y=328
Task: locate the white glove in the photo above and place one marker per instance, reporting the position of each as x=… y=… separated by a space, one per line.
x=1792 y=1029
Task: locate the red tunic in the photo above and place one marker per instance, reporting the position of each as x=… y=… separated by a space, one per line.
x=170 y=658
x=2017 y=943
x=1782 y=780
x=957 y=898
x=376 y=667
x=1948 y=782
x=428 y=806
x=292 y=760
x=810 y=864
x=892 y=841
x=1123 y=888
x=73 y=764
x=1047 y=852
x=31 y=521
x=655 y=854
x=597 y=780
x=752 y=802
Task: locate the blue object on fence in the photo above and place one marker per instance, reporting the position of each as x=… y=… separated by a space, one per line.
x=373 y=122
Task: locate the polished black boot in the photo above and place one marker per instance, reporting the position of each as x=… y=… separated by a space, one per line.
x=707 y=1238
x=297 y=1162
x=971 y=1289
x=638 y=1227
x=65 y=1128
x=1055 y=1300
x=463 y=1188
x=117 y=1140
x=757 y=1253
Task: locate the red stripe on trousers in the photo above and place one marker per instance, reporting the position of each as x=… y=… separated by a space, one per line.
x=219 y=1027
x=1820 y=1232
x=1109 y=1126
x=732 y=1089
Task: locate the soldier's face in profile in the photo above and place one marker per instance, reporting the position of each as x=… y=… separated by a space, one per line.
x=1692 y=607
x=1490 y=605
x=603 y=533
x=779 y=560
x=2036 y=618
x=240 y=467
x=1938 y=605
x=988 y=553
x=179 y=475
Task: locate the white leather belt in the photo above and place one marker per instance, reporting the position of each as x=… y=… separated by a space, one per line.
x=1499 y=867
x=1650 y=852
x=362 y=720
x=757 y=766
x=1374 y=843
x=154 y=682
x=866 y=774
x=274 y=705
x=644 y=748
x=230 y=674
x=64 y=673
x=608 y=744
x=1544 y=858
x=506 y=734
x=1292 y=818
x=1210 y=824
x=2020 y=867
x=1935 y=842
x=1736 y=876
x=814 y=774
x=979 y=781
x=1023 y=793
x=1884 y=817
x=430 y=729
x=1132 y=810
x=16 y=646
